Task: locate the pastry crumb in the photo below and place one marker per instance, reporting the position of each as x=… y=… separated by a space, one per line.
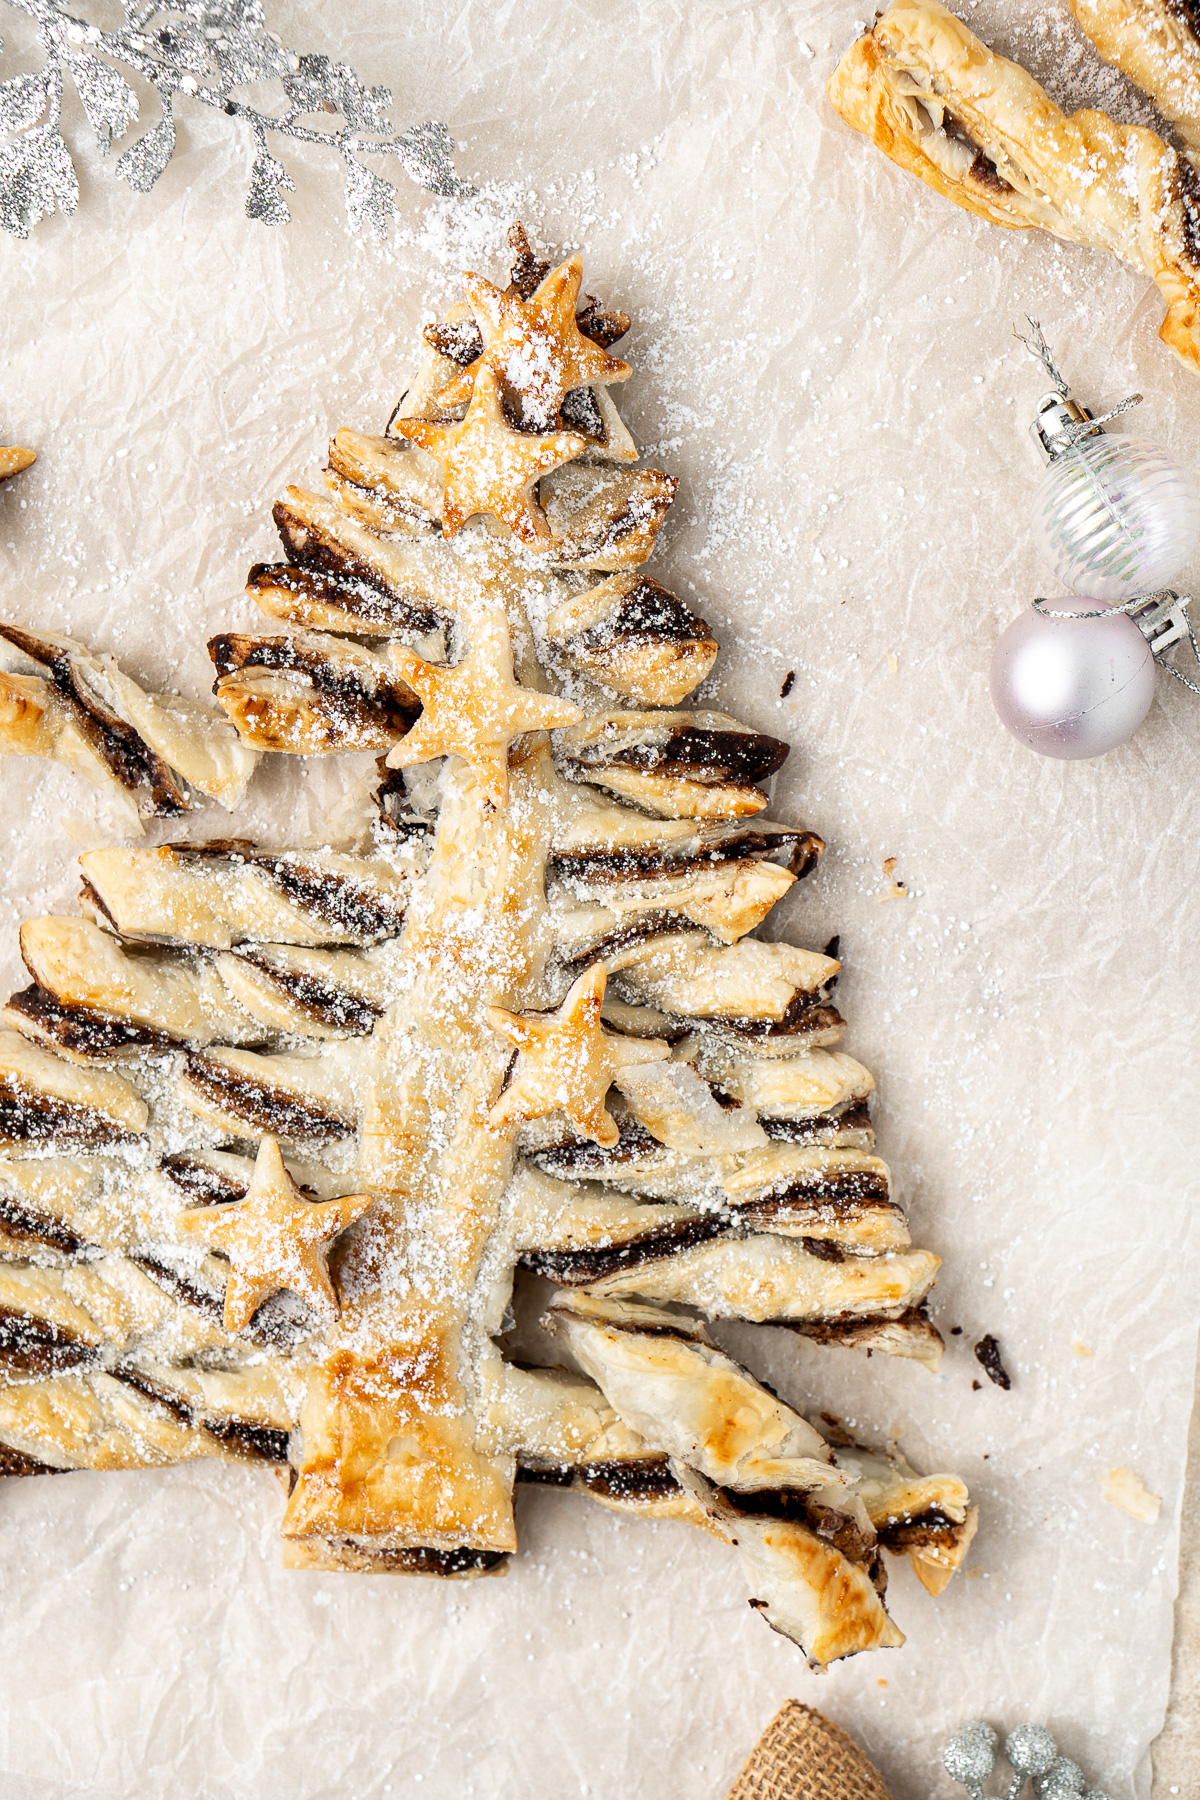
x=1082 y=1349
x=1128 y=1491
x=893 y=664
x=987 y=1354
x=889 y=865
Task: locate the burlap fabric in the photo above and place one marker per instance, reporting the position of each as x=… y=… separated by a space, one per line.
x=804 y=1756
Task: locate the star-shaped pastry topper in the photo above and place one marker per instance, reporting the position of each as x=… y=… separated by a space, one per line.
x=475 y=709
x=535 y=346
x=489 y=467
x=568 y=1060
x=274 y=1239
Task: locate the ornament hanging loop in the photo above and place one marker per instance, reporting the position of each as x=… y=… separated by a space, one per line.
x=1162 y=620
x=1037 y=346
x=1060 y=422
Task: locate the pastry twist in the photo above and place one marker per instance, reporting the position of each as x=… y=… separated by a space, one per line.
x=1155 y=43
x=980 y=130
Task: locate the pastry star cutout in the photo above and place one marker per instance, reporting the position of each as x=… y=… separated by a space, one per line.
x=274 y=1238
x=489 y=467
x=474 y=709
x=535 y=345
x=567 y=1061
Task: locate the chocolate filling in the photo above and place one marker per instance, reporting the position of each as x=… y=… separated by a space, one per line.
x=458 y=340
x=833 y=1527
x=30 y=1227
x=38 y=1347
x=667 y=1328
x=854 y=1328
x=178 y=1287
x=527 y=273
x=28 y=1117
x=588 y=1158
x=90 y=901
x=593 y=532
x=839 y=1193
x=317 y=998
x=15 y=1462
x=258 y=1104
x=798 y=851
x=648 y=613
x=1186 y=182
x=200 y=1181
x=365 y=699
x=338 y=900
x=824 y=1248
x=1187 y=14
x=580 y=412
x=604 y=328
x=986 y=175
x=654 y=924
x=613 y=866
x=648 y=1478
x=420 y=1560
x=692 y=753
x=264 y=1443
x=576 y=1268
x=853 y=1117
x=983 y=171
x=176 y=1404
x=123 y=751
x=81 y=1031
x=804 y=1017
x=360 y=597
x=308 y=547
x=933 y=1526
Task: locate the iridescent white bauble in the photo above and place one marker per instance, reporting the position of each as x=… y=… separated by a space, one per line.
x=1115 y=516
x=1072 y=687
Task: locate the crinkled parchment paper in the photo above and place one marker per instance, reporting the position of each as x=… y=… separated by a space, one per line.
x=824 y=354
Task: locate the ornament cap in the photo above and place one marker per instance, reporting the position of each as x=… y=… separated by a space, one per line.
x=1052 y=422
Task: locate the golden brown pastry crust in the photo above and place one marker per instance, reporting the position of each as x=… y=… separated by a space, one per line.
x=1156 y=45
x=519 y=1020
x=979 y=130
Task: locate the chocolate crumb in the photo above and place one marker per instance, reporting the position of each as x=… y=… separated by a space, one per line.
x=956 y=1331
x=987 y=1355
x=976 y=1387
x=789 y=682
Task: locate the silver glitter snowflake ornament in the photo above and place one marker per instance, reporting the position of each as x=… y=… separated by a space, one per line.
x=1031 y=1754
x=202 y=50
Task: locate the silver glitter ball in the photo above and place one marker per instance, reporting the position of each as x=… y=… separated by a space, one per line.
x=1030 y=1749
x=1063 y=1780
x=971 y=1752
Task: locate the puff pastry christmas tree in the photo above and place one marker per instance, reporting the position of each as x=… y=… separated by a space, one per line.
x=519 y=1033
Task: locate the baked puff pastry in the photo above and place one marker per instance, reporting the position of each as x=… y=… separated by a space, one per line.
x=1156 y=43
x=294 y=1142
x=979 y=130
x=142 y=751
